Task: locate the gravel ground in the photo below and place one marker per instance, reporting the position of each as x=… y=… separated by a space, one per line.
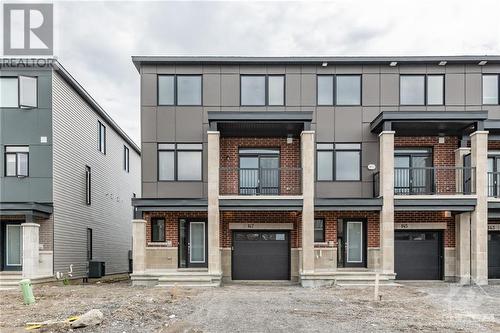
x=437 y=307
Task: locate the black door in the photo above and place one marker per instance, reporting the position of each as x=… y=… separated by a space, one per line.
x=494 y=254
x=261 y=255
x=418 y=255
x=351 y=243
x=259 y=171
x=193 y=247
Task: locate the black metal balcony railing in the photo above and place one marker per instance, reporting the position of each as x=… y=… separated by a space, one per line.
x=430 y=180
x=260 y=181
x=494 y=184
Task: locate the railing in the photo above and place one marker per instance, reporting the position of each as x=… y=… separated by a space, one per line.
x=260 y=181
x=434 y=180
x=494 y=184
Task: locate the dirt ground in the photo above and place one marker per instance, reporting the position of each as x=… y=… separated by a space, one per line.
x=436 y=307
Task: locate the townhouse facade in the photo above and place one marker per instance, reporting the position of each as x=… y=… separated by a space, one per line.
x=68 y=173
x=318 y=170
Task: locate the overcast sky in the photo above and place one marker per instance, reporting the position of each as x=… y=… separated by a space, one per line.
x=95 y=40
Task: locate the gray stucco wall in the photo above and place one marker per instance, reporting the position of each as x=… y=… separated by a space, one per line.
x=380 y=92
x=25 y=127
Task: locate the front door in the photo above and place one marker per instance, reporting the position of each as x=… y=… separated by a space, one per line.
x=193 y=247
x=352 y=243
x=12 y=247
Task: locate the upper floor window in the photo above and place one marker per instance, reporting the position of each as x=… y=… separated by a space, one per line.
x=88 y=182
x=101 y=137
x=491 y=88
x=340 y=161
x=339 y=89
x=126 y=159
x=179 y=89
x=181 y=161
x=261 y=90
x=18 y=92
x=421 y=89
x=17 y=161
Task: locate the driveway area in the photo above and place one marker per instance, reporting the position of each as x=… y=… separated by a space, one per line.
x=436 y=307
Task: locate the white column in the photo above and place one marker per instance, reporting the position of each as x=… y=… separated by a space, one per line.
x=479 y=217
x=31 y=251
x=386 y=143
x=139 y=246
x=214 y=256
x=307 y=156
x=462 y=243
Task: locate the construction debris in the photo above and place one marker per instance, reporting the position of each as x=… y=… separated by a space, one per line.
x=91 y=318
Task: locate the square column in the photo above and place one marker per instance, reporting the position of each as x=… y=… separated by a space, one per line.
x=462 y=240
x=307 y=160
x=139 y=246
x=386 y=143
x=31 y=251
x=214 y=255
x=479 y=217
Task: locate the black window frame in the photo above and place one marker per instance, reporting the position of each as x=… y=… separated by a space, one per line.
x=323 y=229
x=19 y=105
x=176 y=150
x=175 y=76
x=426 y=89
x=161 y=239
x=498 y=88
x=126 y=158
x=266 y=89
x=90 y=244
x=101 y=144
x=334 y=88
x=88 y=185
x=334 y=150
x=6 y=153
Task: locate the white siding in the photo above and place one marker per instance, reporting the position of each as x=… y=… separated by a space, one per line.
x=110 y=214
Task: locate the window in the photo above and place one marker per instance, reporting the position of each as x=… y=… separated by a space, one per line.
x=181 y=161
x=179 y=89
x=340 y=162
x=16 y=161
x=18 y=92
x=491 y=89
x=89 y=244
x=261 y=90
x=319 y=230
x=157 y=230
x=126 y=159
x=101 y=137
x=339 y=89
x=88 y=181
x=421 y=89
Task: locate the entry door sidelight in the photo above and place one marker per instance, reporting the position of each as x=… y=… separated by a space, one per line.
x=193 y=247
x=12 y=247
x=352 y=243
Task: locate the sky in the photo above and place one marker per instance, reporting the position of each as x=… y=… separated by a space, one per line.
x=95 y=40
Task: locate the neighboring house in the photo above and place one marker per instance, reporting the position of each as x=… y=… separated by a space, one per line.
x=68 y=173
x=318 y=169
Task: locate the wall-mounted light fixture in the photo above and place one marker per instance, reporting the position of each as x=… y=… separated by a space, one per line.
x=324 y=64
x=289 y=139
x=443 y=63
x=482 y=62
x=393 y=63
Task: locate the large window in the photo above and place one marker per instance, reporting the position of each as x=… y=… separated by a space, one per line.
x=101 y=140
x=181 y=161
x=157 y=230
x=340 y=162
x=319 y=230
x=491 y=89
x=179 y=90
x=18 y=92
x=261 y=90
x=88 y=183
x=16 y=161
x=126 y=159
x=339 y=90
x=421 y=89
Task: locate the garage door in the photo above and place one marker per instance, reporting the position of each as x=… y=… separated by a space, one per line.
x=261 y=255
x=418 y=255
x=494 y=254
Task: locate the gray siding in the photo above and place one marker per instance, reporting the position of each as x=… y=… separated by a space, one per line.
x=110 y=214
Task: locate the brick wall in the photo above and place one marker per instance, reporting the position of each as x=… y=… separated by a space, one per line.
x=492 y=145
x=46 y=233
x=430 y=217
x=331 y=218
x=289 y=158
x=443 y=155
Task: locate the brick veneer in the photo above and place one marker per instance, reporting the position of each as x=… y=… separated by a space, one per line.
x=430 y=217
x=289 y=158
x=492 y=145
x=443 y=155
x=171 y=224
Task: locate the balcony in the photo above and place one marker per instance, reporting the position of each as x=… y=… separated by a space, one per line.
x=430 y=180
x=260 y=181
x=494 y=184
